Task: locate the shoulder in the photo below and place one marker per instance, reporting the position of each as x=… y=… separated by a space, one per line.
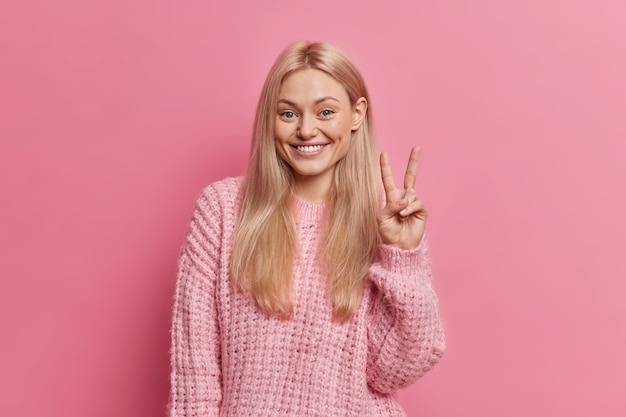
x=220 y=198
x=222 y=192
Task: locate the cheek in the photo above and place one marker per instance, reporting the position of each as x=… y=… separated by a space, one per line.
x=341 y=128
x=282 y=131
x=332 y=127
x=280 y=140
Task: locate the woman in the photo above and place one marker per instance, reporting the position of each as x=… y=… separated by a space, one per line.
x=299 y=293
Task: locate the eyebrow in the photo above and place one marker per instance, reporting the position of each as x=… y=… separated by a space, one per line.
x=318 y=101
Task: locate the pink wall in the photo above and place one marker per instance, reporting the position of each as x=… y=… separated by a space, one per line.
x=114 y=114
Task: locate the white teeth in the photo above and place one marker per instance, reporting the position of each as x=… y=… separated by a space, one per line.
x=313 y=148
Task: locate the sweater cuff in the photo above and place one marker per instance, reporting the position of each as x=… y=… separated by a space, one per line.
x=397 y=260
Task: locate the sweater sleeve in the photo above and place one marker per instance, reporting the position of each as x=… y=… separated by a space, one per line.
x=195 y=351
x=405 y=333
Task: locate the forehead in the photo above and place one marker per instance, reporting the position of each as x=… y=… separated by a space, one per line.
x=311 y=83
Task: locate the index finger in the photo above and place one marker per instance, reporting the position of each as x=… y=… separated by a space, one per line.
x=411 y=169
x=385 y=172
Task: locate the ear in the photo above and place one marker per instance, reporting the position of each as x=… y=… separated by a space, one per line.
x=359 y=110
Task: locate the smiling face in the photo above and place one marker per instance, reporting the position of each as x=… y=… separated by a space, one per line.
x=313 y=128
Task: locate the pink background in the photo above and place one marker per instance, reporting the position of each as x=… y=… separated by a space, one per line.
x=114 y=115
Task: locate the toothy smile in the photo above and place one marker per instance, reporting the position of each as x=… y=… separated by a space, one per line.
x=309 y=148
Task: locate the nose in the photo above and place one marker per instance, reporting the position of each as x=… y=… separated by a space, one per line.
x=307 y=128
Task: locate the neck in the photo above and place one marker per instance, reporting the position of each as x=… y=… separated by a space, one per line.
x=313 y=189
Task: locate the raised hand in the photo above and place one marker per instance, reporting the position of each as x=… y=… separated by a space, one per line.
x=402 y=221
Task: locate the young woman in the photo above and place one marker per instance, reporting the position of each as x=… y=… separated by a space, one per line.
x=302 y=291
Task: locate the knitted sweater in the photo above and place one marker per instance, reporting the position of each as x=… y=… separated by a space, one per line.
x=231 y=360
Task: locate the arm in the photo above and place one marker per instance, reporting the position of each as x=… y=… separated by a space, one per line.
x=195 y=351
x=405 y=333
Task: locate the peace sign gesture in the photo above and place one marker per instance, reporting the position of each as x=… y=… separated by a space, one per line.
x=402 y=221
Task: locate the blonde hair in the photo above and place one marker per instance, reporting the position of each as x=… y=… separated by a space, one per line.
x=265 y=236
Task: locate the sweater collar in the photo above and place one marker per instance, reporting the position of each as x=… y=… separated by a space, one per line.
x=308 y=210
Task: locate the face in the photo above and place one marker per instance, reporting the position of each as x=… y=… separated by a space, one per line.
x=313 y=127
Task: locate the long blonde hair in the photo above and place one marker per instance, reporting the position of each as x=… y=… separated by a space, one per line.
x=265 y=236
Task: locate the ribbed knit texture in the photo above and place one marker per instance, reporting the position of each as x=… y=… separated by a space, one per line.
x=231 y=360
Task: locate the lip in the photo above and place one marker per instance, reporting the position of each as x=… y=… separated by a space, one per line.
x=307 y=154
x=309 y=144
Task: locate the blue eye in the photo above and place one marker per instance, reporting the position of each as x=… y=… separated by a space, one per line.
x=288 y=114
x=327 y=113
